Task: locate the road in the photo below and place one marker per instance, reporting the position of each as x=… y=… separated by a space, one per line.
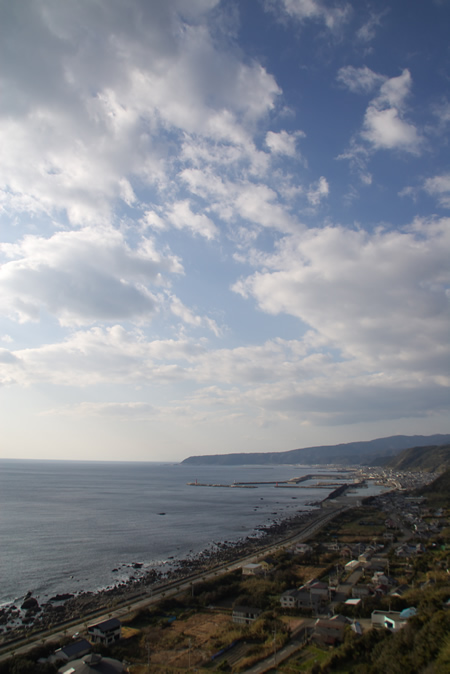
x=295 y=644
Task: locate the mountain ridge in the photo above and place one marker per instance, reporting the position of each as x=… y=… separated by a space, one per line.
x=350 y=453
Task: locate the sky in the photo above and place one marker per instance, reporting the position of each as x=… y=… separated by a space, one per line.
x=224 y=226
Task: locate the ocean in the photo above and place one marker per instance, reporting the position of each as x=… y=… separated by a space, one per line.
x=68 y=526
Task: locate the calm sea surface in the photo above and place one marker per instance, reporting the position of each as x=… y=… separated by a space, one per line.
x=64 y=526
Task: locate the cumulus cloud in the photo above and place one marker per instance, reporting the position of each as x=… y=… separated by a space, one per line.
x=92 y=120
x=255 y=202
x=359 y=80
x=283 y=142
x=439 y=186
x=181 y=216
x=385 y=126
x=381 y=299
x=102 y=355
x=303 y=10
x=82 y=276
x=385 y=129
x=318 y=191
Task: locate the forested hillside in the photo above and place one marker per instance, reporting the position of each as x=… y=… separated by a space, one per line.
x=430 y=459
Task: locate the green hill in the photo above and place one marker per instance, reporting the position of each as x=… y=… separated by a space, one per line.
x=439 y=487
x=429 y=459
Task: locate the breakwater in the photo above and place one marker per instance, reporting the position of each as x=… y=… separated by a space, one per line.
x=291 y=482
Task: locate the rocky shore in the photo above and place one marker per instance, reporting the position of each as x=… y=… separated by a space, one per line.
x=29 y=616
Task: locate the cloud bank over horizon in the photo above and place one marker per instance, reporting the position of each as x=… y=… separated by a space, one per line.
x=223 y=228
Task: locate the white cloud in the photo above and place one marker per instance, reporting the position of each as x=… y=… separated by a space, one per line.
x=181 y=216
x=395 y=90
x=359 y=80
x=439 y=186
x=180 y=310
x=384 y=129
x=82 y=276
x=385 y=126
x=318 y=191
x=303 y=10
x=101 y=355
x=135 y=411
x=94 y=104
x=380 y=299
x=283 y=142
x=255 y=202
x=366 y=33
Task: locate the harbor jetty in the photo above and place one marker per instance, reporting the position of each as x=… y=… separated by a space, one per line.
x=324 y=481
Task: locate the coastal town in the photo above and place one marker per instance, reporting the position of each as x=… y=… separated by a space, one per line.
x=304 y=590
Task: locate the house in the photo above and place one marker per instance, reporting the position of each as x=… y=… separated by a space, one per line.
x=302 y=548
x=289 y=599
x=106 y=632
x=346 y=551
x=352 y=565
x=252 y=569
x=404 y=550
x=244 y=615
x=390 y=620
x=319 y=590
x=330 y=632
x=306 y=600
x=380 y=579
x=400 y=590
x=353 y=602
x=71 y=651
x=380 y=590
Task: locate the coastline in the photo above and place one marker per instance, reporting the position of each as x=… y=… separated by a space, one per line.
x=18 y=623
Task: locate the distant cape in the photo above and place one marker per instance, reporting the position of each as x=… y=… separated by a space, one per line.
x=371 y=452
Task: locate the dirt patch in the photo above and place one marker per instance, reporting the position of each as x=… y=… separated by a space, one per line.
x=311 y=572
x=190 y=642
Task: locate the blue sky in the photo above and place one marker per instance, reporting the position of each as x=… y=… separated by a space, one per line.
x=224 y=226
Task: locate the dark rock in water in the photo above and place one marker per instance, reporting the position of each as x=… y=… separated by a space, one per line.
x=137 y=565
x=115 y=570
x=62 y=597
x=161 y=513
x=30 y=603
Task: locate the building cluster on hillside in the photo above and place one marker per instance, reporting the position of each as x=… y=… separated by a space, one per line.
x=79 y=652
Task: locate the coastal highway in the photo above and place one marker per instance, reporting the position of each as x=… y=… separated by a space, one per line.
x=140 y=601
